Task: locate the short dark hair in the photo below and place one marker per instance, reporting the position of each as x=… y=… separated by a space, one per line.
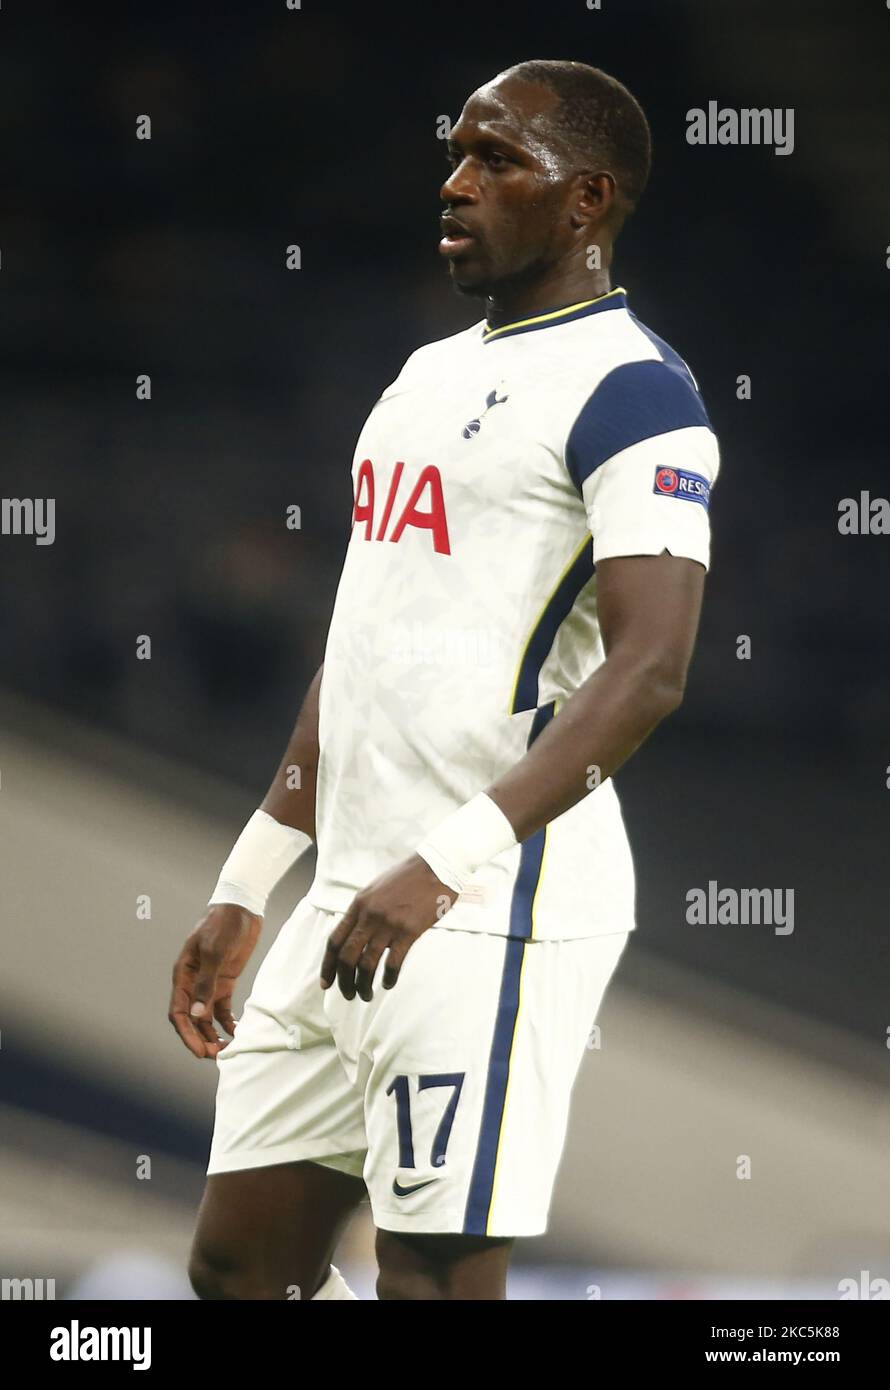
x=599 y=118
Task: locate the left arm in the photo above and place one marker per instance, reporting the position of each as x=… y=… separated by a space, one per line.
x=648 y=608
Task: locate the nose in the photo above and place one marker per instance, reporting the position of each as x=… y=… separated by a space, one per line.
x=460 y=186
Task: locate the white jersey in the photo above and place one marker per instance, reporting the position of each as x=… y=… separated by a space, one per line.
x=490 y=479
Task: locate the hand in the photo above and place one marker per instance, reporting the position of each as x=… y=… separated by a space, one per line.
x=204 y=976
x=391 y=913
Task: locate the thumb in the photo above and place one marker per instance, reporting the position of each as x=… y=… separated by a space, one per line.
x=205 y=989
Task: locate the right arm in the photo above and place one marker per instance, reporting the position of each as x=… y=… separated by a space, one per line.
x=216 y=952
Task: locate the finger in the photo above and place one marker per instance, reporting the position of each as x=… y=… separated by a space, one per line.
x=222 y=1012
x=367 y=965
x=207 y=1031
x=204 y=988
x=348 y=958
x=183 y=1026
x=178 y=1015
x=180 y=1003
x=203 y=993
x=394 y=961
x=335 y=941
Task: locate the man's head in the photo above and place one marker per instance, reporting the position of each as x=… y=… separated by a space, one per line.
x=547 y=158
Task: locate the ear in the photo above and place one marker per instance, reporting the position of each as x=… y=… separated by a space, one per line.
x=594 y=198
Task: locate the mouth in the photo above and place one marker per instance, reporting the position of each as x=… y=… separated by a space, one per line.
x=456 y=239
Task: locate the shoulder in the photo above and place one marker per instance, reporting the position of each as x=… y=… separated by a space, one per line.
x=429 y=363
x=609 y=343
x=430 y=356
x=643 y=390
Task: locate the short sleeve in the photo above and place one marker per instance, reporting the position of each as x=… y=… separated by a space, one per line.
x=643 y=455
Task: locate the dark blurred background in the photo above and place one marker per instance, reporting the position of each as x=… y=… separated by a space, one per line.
x=318 y=127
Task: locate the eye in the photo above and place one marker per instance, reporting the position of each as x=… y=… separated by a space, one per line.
x=497 y=161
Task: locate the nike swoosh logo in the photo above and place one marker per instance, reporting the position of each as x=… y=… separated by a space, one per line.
x=401 y=1191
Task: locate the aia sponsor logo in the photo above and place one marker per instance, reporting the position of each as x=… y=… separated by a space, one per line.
x=421 y=506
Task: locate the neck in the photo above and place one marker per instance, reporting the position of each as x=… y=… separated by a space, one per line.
x=508 y=304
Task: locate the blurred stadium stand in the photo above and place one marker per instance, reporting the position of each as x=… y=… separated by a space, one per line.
x=688 y=1075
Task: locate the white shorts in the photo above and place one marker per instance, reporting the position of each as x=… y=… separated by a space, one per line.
x=449 y=1094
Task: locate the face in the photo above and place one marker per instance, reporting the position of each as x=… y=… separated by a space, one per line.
x=507 y=200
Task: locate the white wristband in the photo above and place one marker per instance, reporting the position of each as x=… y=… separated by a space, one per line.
x=262 y=854
x=465 y=840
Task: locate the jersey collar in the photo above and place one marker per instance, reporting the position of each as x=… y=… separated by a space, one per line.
x=615 y=299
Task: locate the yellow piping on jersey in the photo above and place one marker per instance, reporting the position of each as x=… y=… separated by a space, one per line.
x=554 y=314
x=537 y=623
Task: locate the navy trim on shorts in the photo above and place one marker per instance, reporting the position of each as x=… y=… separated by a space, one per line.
x=531 y=856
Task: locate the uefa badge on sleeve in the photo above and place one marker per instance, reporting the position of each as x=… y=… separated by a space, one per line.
x=676 y=482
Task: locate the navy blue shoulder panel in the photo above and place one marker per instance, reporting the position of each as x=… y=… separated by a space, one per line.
x=634 y=402
x=669 y=355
